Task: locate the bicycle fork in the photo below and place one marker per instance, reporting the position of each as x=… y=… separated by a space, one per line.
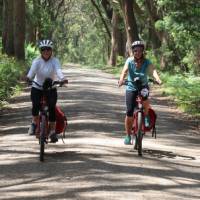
x=139 y=133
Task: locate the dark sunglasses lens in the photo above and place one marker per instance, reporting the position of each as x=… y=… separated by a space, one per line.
x=137 y=50
x=46 y=48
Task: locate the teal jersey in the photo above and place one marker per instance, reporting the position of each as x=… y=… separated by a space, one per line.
x=133 y=72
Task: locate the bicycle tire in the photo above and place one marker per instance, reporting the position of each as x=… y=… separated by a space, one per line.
x=139 y=134
x=42 y=137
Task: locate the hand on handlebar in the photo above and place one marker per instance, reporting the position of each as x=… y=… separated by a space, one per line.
x=120 y=83
x=28 y=81
x=63 y=82
x=158 y=82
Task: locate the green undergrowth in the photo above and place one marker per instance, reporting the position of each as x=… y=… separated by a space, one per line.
x=185 y=91
x=11 y=72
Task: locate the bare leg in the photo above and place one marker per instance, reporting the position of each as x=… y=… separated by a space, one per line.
x=52 y=133
x=128 y=125
x=35 y=120
x=146 y=105
x=52 y=126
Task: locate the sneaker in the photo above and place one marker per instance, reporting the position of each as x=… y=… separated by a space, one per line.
x=127 y=140
x=32 y=129
x=53 y=138
x=147 y=121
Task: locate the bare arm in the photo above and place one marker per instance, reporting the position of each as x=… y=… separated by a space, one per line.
x=123 y=74
x=154 y=73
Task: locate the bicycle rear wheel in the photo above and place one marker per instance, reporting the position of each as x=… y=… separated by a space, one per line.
x=139 y=134
x=42 y=137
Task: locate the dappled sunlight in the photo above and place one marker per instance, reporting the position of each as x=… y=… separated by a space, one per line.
x=20 y=105
x=5 y=128
x=93 y=160
x=95 y=171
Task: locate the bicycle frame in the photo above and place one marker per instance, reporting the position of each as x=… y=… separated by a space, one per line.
x=43 y=124
x=139 y=111
x=140 y=120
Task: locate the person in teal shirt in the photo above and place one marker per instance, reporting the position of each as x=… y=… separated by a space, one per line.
x=136 y=66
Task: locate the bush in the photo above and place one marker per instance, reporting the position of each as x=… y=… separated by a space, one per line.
x=31 y=53
x=185 y=90
x=10 y=73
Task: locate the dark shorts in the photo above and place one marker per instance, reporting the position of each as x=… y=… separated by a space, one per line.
x=36 y=96
x=131 y=101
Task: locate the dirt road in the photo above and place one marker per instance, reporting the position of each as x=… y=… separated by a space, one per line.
x=94 y=163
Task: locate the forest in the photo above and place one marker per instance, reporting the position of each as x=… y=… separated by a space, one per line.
x=99 y=33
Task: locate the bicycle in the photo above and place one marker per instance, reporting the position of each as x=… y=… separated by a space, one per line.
x=139 y=129
x=43 y=126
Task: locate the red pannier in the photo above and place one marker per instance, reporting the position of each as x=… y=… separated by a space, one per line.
x=152 y=127
x=61 y=121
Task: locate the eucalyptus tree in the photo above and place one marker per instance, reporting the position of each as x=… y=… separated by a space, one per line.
x=13 y=31
x=110 y=13
x=130 y=22
x=19 y=28
x=171 y=30
x=1 y=14
x=8 y=28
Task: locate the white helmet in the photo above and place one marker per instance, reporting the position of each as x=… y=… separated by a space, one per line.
x=46 y=43
x=138 y=43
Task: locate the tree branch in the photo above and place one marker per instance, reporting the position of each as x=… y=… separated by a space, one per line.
x=101 y=16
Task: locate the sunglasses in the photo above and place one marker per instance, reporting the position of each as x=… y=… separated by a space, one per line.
x=46 y=48
x=137 y=51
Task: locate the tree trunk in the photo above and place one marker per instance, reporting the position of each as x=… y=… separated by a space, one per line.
x=102 y=18
x=160 y=37
x=121 y=49
x=31 y=25
x=19 y=28
x=1 y=14
x=7 y=33
x=115 y=32
x=130 y=23
x=108 y=8
x=5 y=25
x=30 y=33
x=117 y=41
x=37 y=14
x=10 y=37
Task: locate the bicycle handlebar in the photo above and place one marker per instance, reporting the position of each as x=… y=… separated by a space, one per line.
x=137 y=79
x=54 y=83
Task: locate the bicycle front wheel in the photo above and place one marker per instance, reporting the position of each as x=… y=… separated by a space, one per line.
x=42 y=137
x=139 y=134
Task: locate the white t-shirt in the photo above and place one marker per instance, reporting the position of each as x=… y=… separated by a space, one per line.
x=41 y=69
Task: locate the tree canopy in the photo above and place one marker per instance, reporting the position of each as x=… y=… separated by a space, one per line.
x=100 y=31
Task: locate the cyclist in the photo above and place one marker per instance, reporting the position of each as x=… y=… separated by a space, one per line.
x=136 y=66
x=44 y=67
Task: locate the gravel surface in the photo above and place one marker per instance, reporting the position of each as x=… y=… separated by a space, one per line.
x=93 y=163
